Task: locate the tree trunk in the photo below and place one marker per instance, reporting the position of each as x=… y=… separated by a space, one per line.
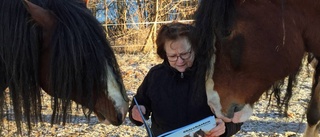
x=122 y=15
x=152 y=32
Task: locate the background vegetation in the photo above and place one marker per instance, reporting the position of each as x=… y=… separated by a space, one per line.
x=131 y=25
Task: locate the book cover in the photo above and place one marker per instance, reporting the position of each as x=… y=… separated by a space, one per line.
x=198 y=128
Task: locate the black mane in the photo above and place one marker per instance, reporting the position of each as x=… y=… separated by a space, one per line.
x=19 y=42
x=213 y=21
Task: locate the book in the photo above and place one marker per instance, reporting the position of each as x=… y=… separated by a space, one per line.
x=198 y=128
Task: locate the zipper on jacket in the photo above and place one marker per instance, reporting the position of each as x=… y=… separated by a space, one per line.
x=181 y=75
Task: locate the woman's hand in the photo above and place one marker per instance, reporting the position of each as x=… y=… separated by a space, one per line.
x=218 y=130
x=135 y=112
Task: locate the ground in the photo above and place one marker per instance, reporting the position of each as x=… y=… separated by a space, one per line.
x=266 y=121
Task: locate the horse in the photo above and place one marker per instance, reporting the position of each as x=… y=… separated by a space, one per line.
x=244 y=47
x=57 y=46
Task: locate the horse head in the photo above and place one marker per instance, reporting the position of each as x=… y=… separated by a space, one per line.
x=77 y=62
x=241 y=55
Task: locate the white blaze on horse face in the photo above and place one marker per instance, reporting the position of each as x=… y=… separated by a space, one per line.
x=212 y=95
x=115 y=94
x=214 y=101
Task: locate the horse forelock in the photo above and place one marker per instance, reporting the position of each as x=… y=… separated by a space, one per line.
x=215 y=16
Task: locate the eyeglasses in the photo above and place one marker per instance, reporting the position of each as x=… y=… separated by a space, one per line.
x=183 y=56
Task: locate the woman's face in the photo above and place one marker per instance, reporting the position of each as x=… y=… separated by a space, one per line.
x=179 y=53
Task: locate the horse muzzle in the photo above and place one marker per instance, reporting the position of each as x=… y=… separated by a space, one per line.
x=239 y=113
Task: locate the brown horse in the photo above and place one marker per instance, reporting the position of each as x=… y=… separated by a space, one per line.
x=62 y=49
x=245 y=46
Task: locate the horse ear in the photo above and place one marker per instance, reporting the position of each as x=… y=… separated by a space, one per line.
x=43 y=17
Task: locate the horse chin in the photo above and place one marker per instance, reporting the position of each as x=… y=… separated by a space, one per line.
x=240 y=116
x=106 y=121
x=102 y=119
x=121 y=117
x=237 y=117
x=118 y=119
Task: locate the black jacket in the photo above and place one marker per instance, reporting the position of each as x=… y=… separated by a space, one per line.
x=167 y=96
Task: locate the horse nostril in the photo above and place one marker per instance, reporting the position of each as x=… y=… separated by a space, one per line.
x=119 y=118
x=238 y=108
x=234 y=108
x=231 y=112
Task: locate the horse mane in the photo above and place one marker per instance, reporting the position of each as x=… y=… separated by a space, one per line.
x=213 y=20
x=275 y=89
x=80 y=56
x=19 y=44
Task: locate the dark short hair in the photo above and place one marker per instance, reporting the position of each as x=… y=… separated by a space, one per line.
x=172 y=31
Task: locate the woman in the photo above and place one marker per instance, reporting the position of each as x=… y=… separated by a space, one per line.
x=166 y=91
